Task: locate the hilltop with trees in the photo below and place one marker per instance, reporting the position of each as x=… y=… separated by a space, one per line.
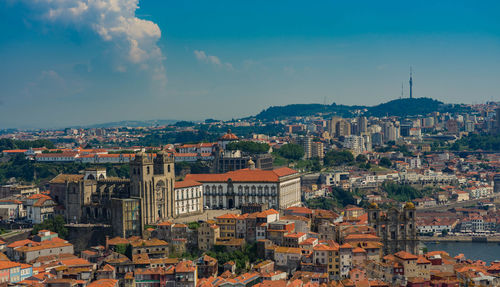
x=398 y=107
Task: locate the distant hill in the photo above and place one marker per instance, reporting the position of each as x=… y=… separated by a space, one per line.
x=398 y=107
x=406 y=107
x=146 y=123
x=295 y=110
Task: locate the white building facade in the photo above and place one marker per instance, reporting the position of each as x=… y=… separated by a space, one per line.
x=279 y=188
x=188 y=198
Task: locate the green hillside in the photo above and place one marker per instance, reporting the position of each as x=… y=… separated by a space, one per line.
x=398 y=107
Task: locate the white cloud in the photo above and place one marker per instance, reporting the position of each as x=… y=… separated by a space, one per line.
x=114 y=21
x=211 y=59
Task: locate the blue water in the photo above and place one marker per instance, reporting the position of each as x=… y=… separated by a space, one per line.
x=472 y=250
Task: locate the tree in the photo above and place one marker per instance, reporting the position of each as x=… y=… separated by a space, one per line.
x=193 y=225
x=361 y=158
x=336 y=158
x=248 y=147
x=291 y=151
x=55 y=224
x=404 y=192
x=385 y=162
x=121 y=248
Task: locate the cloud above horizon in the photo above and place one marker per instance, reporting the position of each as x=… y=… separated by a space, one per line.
x=114 y=21
x=211 y=59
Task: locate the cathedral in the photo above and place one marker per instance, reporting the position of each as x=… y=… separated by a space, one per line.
x=395 y=227
x=128 y=205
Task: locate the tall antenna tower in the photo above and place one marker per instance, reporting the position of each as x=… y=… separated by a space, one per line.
x=401 y=90
x=411 y=84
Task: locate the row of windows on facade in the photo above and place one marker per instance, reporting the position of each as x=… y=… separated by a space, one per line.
x=240 y=189
x=246 y=199
x=180 y=194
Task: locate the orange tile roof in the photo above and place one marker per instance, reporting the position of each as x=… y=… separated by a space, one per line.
x=185 y=266
x=295 y=235
x=108 y=267
x=75 y=262
x=8 y=264
x=282 y=249
x=268 y=212
x=346 y=246
x=45 y=245
x=323 y=247
x=227 y=216
x=104 y=283
x=406 y=255
x=422 y=260
x=243 y=175
x=358 y=250
x=186 y=183
x=22 y=243
x=164 y=223
x=118 y=240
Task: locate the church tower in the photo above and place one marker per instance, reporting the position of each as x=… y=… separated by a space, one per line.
x=153 y=182
x=164 y=177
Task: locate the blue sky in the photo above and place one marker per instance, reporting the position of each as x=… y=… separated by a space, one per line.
x=84 y=62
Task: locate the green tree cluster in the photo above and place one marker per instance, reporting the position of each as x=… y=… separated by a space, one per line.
x=338 y=198
x=24 y=170
x=248 y=147
x=240 y=257
x=403 y=192
x=21 y=144
x=55 y=224
x=385 y=162
x=338 y=157
x=291 y=151
x=361 y=158
x=193 y=225
x=485 y=142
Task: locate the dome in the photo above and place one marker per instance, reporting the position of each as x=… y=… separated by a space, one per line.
x=373 y=205
x=229 y=136
x=410 y=204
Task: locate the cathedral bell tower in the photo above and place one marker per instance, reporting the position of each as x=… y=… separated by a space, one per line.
x=152 y=180
x=164 y=176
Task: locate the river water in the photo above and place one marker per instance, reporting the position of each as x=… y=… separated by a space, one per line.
x=472 y=250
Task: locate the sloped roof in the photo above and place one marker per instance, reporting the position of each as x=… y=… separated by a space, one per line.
x=244 y=175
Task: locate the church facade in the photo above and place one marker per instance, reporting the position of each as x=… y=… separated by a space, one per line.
x=127 y=204
x=396 y=228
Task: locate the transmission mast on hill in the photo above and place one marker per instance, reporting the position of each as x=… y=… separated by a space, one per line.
x=411 y=84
